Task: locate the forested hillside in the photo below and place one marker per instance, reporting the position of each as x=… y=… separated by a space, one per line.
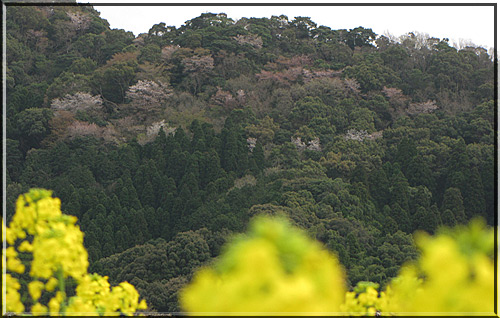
x=166 y=144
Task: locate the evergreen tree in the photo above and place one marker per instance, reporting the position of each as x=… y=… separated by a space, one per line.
x=139 y=227
x=123 y=239
x=198 y=142
x=379 y=187
x=182 y=139
x=406 y=153
x=449 y=218
x=402 y=217
x=129 y=191
x=400 y=190
x=148 y=195
x=228 y=150
x=474 y=202
x=210 y=169
x=258 y=156
x=424 y=219
x=458 y=166
x=453 y=201
x=73 y=203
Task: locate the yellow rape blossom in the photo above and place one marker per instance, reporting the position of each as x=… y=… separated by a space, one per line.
x=363 y=301
x=94 y=296
x=55 y=303
x=274 y=269
x=456 y=268
x=65 y=243
x=51 y=284
x=39 y=309
x=56 y=244
x=13 y=299
x=13 y=263
x=78 y=307
x=35 y=289
x=128 y=296
x=25 y=246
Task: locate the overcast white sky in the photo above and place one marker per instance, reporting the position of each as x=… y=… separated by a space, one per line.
x=470 y=23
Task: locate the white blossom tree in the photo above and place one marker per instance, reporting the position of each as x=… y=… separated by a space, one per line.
x=422 y=108
x=251 y=39
x=77 y=101
x=353 y=134
x=148 y=93
x=147 y=98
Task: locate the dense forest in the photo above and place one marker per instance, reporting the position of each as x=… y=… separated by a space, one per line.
x=165 y=145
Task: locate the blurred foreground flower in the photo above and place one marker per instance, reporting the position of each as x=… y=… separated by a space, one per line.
x=275 y=268
x=453 y=275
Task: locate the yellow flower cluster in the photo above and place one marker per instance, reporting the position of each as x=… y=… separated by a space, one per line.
x=277 y=269
x=274 y=269
x=94 y=293
x=56 y=244
x=12 y=298
x=453 y=275
x=364 y=300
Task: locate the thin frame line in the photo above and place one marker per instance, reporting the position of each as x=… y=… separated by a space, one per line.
x=266 y=4
x=495 y=100
x=4 y=153
x=4 y=148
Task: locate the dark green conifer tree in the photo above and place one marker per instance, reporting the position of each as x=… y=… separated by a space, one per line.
x=402 y=217
x=400 y=190
x=424 y=219
x=458 y=166
x=474 y=202
x=448 y=218
x=198 y=142
x=210 y=169
x=182 y=139
x=258 y=156
x=453 y=201
x=123 y=239
x=379 y=188
x=148 y=195
x=72 y=205
x=228 y=150
x=129 y=191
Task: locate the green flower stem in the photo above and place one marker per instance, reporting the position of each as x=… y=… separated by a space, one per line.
x=62 y=288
